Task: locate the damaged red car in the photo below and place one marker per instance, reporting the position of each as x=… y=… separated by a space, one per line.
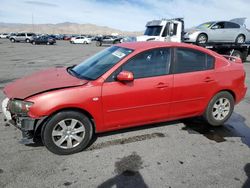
x=126 y=85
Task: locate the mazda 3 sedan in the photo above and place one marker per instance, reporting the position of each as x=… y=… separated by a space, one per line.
x=126 y=85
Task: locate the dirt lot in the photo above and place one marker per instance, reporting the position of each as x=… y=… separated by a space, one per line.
x=170 y=154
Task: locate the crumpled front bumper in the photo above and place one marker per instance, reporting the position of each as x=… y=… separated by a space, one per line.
x=27 y=125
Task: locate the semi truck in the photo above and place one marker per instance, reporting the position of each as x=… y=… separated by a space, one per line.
x=173 y=30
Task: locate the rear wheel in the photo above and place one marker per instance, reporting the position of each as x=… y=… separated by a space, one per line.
x=27 y=40
x=98 y=43
x=240 y=39
x=48 y=43
x=201 y=39
x=33 y=42
x=219 y=109
x=67 y=132
x=12 y=40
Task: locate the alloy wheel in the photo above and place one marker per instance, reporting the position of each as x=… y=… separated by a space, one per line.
x=221 y=109
x=68 y=133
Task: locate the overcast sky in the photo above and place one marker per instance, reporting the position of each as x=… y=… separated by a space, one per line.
x=130 y=15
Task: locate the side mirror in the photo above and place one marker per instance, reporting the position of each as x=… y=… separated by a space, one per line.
x=125 y=76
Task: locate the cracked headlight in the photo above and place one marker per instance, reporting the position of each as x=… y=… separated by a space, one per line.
x=19 y=107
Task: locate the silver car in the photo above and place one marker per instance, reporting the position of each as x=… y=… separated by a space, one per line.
x=233 y=31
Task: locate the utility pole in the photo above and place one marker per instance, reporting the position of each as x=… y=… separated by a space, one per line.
x=32 y=23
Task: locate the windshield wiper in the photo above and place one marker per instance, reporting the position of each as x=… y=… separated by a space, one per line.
x=72 y=72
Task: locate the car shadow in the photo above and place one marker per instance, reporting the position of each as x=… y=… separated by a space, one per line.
x=234 y=127
x=140 y=137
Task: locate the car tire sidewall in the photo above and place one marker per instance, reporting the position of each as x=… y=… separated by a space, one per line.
x=197 y=40
x=98 y=43
x=208 y=113
x=12 y=40
x=236 y=40
x=52 y=122
x=27 y=40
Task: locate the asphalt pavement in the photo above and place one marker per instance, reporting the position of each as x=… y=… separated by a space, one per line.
x=172 y=154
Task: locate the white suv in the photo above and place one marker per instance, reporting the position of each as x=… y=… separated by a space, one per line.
x=22 y=37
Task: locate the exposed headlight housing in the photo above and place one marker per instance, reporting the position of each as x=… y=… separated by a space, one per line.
x=19 y=107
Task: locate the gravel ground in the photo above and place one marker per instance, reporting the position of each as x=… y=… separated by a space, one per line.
x=172 y=154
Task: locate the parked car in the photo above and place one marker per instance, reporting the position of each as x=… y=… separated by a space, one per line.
x=10 y=35
x=43 y=40
x=22 y=37
x=123 y=86
x=80 y=40
x=233 y=31
x=3 y=35
x=67 y=37
x=109 y=40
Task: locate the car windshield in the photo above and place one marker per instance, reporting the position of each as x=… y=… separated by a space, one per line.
x=100 y=63
x=205 y=25
x=153 y=30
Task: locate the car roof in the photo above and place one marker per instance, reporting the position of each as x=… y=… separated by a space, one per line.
x=141 y=46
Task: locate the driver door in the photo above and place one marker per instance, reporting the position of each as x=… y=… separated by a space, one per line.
x=144 y=100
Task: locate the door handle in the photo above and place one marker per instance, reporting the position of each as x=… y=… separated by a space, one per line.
x=208 y=79
x=162 y=85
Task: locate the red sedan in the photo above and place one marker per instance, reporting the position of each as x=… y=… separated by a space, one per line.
x=126 y=85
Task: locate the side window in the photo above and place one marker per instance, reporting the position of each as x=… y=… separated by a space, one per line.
x=219 y=25
x=150 y=63
x=231 y=25
x=166 y=30
x=189 y=60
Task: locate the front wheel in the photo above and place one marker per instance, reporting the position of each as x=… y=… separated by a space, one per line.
x=201 y=39
x=219 y=109
x=67 y=132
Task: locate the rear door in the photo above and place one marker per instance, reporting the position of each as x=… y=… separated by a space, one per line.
x=194 y=81
x=144 y=100
x=233 y=30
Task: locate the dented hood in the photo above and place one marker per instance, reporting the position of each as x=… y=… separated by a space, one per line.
x=50 y=79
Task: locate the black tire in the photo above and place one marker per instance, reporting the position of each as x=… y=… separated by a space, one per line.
x=53 y=123
x=202 y=39
x=27 y=40
x=98 y=43
x=240 y=39
x=34 y=43
x=84 y=42
x=48 y=43
x=12 y=40
x=211 y=109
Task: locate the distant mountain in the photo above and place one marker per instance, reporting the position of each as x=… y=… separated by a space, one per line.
x=63 y=28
